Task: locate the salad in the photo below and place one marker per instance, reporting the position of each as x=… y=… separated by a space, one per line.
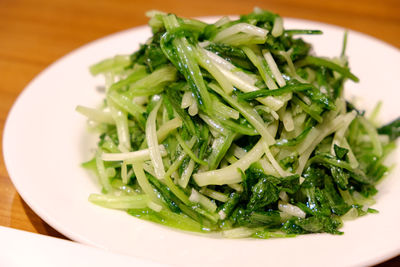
x=235 y=127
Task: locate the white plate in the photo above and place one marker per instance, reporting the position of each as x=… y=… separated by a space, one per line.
x=45 y=141
x=35 y=251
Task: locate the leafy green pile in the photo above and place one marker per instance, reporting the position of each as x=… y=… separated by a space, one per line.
x=235 y=127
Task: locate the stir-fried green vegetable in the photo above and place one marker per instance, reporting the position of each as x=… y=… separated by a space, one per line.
x=235 y=127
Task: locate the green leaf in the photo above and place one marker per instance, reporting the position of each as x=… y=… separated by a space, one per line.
x=262 y=194
x=392 y=129
x=318 y=61
x=340 y=152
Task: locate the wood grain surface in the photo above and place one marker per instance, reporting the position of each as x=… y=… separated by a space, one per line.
x=35 y=33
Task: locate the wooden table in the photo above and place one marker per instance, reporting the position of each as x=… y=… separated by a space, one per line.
x=34 y=33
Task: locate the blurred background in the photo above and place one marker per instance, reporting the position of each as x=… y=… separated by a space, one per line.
x=35 y=33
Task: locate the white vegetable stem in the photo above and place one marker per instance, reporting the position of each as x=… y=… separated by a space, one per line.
x=140 y=155
x=186 y=174
x=286 y=55
x=340 y=140
x=291 y=209
x=119 y=202
x=124 y=172
x=239 y=232
x=193 y=109
x=249 y=113
x=206 y=62
x=152 y=142
x=317 y=134
x=286 y=117
x=230 y=174
x=267 y=167
x=167 y=128
x=274 y=68
x=256 y=58
x=178 y=161
x=214 y=194
x=206 y=203
x=240 y=28
x=144 y=183
x=273 y=161
x=370 y=129
x=103 y=178
x=95 y=114
x=231 y=72
x=241 y=80
x=121 y=122
x=154 y=206
x=187 y=99
x=277 y=29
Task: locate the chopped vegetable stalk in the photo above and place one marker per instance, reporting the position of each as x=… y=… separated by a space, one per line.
x=126 y=104
x=230 y=174
x=274 y=68
x=212 y=68
x=257 y=60
x=101 y=170
x=248 y=113
x=186 y=148
x=124 y=173
x=167 y=128
x=244 y=33
x=95 y=114
x=186 y=174
x=121 y=122
x=119 y=202
x=273 y=161
x=214 y=194
x=152 y=142
x=111 y=64
x=291 y=209
x=373 y=134
x=196 y=197
x=188 y=64
x=178 y=161
x=139 y=155
x=240 y=232
x=277 y=30
x=316 y=135
x=154 y=81
x=241 y=80
x=144 y=183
